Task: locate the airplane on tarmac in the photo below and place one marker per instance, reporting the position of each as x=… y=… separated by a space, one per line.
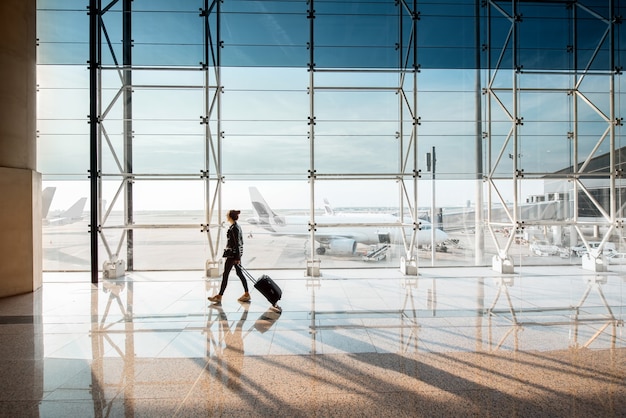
x=338 y=238
x=69 y=216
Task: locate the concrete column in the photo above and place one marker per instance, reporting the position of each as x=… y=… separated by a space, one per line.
x=20 y=183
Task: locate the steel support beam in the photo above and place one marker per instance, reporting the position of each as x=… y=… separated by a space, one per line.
x=94 y=62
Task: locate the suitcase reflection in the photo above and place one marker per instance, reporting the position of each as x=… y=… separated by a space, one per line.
x=227 y=366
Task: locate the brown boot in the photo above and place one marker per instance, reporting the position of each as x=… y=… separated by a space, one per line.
x=216 y=298
x=245 y=297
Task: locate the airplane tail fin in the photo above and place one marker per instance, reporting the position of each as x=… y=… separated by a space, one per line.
x=76 y=210
x=327 y=208
x=266 y=215
x=46 y=200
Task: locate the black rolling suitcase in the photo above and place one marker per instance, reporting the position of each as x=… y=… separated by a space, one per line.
x=267 y=287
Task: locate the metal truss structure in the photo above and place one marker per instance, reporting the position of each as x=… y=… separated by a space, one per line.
x=408 y=172
x=212 y=177
x=504 y=86
x=504 y=97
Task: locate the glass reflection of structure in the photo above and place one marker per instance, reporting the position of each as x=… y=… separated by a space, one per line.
x=520 y=95
x=353 y=330
x=137 y=352
x=576 y=316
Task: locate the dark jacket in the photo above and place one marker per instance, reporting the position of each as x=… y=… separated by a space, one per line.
x=234 y=240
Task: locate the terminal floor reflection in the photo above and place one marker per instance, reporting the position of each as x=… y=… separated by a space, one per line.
x=544 y=341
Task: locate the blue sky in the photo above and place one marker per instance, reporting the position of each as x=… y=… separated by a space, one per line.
x=266 y=100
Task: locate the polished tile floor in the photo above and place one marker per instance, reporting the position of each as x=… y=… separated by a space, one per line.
x=542 y=342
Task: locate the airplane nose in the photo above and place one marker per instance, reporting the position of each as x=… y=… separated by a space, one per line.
x=440 y=236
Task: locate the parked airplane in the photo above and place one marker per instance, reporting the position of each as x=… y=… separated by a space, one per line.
x=338 y=232
x=69 y=216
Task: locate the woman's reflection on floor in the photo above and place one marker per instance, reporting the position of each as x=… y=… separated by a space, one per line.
x=228 y=344
x=229 y=362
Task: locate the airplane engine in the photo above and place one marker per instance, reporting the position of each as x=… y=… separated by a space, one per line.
x=342 y=246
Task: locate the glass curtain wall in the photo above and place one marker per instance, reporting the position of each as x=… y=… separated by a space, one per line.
x=350 y=134
x=553 y=129
x=63 y=99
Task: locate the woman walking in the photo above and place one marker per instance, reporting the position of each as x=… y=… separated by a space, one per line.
x=233 y=253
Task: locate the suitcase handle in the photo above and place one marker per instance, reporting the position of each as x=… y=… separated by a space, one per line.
x=247 y=274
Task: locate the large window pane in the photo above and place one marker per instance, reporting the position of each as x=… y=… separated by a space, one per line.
x=344 y=100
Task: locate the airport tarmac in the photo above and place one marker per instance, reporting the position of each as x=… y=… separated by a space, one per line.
x=67 y=248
